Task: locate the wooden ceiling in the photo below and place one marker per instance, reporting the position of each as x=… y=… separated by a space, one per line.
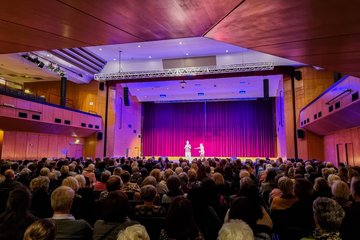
x=320 y=33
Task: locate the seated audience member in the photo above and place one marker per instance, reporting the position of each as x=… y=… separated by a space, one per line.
x=10 y=182
x=235 y=230
x=101 y=185
x=66 y=225
x=135 y=174
x=16 y=218
x=128 y=186
x=351 y=223
x=297 y=221
x=114 y=183
x=43 y=229
x=332 y=178
x=193 y=182
x=115 y=211
x=134 y=232
x=328 y=216
x=148 y=209
x=184 y=181
x=64 y=170
x=180 y=222
x=268 y=184
x=40 y=202
x=24 y=176
x=321 y=188
x=174 y=186
x=89 y=173
x=287 y=198
x=341 y=193
x=253 y=214
x=161 y=187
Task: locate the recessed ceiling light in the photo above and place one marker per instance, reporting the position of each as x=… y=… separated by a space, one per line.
x=163 y=95
x=114 y=59
x=242 y=92
x=146 y=96
x=100 y=49
x=149 y=56
x=137 y=89
x=139 y=46
x=180 y=43
x=201 y=94
x=242 y=82
x=187 y=54
x=167 y=88
x=48 y=55
x=226 y=50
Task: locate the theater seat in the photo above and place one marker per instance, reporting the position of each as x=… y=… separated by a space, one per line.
x=153 y=226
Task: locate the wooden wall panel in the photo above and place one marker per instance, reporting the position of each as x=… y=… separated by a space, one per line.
x=20 y=145
x=8 y=150
x=313 y=83
x=43 y=145
x=32 y=146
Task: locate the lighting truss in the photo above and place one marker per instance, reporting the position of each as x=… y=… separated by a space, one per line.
x=190 y=71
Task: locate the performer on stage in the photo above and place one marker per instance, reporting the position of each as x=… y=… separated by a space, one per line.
x=187 y=150
x=201 y=150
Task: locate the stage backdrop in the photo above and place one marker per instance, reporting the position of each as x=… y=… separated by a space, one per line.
x=231 y=128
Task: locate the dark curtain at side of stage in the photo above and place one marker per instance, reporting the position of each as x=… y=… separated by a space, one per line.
x=232 y=128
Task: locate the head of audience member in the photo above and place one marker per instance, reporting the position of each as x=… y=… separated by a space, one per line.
x=133 y=232
x=114 y=183
x=52 y=176
x=105 y=176
x=286 y=185
x=184 y=179
x=180 y=213
x=174 y=185
x=64 y=170
x=355 y=188
x=149 y=180
x=62 y=199
x=303 y=189
x=321 y=187
x=332 y=178
x=40 y=182
x=328 y=214
x=115 y=207
x=148 y=193
x=125 y=176
x=178 y=170
x=192 y=175
x=340 y=190
x=168 y=172
x=71 y=182
x=117 y=171
x=90 y=168
x=9 y=175
x=156 y=174
x=19 y=200
x=44 y=171
x=248 y=189
x=42 y=229
x=244 y=173
x=270 y=175
x=218 y=179
x=246 y=210
x=81 y=180
x=235 y=230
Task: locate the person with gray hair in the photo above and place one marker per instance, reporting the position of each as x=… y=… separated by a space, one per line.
x=66 y=225
x=328 y=216
x=136 y=231
x=235 y=230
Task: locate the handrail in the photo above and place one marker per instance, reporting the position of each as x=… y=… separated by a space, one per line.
x=339 y=95
x=23 y=109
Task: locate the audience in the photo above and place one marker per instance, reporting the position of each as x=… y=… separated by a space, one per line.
x=222 y=198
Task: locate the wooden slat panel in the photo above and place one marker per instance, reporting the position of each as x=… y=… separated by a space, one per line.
x=153 y=20
x=32 y=146
x=303 y=31
x=8 y=149
x=43 y=146
x=52 y=24
x=20 y=145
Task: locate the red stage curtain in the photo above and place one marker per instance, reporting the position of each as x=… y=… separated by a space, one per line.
x=233 y=128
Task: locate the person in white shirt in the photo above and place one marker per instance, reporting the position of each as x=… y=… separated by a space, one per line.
x=187 y=150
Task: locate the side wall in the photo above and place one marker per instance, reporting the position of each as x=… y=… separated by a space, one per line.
x=313 y=83
x=30 y=146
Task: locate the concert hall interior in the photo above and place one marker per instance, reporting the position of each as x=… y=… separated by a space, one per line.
x=221 y=86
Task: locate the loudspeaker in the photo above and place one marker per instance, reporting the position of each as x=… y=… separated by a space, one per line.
x=337 y=76
x=298 y=75
x=126 y=96
x=99 y=136
x=266 y=88
x=300 y=133
x=101 y=86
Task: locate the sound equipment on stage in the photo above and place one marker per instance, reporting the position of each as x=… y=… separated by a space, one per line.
x=297 y=75
x=126 y=96
x=99 y=136
x=266 y=88
x=101 y=86
x=300 y=133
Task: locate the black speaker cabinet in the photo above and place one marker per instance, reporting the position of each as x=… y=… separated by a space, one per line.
x=101 y=86
x=126 y=96
x=99 y=136
x=266 y=88
x=300 y=133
